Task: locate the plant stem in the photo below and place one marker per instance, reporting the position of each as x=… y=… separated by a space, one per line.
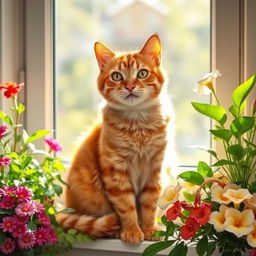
x=17 y=117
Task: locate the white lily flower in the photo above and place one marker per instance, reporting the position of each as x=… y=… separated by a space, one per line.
x=204 y=85
x=170 y=195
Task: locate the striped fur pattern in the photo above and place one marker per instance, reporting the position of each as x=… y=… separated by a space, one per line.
x=114 y=180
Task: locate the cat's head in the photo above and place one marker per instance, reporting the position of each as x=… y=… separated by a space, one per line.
x=130 y=79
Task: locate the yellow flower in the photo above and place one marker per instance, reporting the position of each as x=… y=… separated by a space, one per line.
x=218 y=219
x=218 y=195
x=237 y=196
x=170 y=195
x=251 y=238
x=204 y=85
x=239 y=223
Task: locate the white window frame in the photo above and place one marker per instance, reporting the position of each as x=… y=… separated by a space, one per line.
x=233 y=42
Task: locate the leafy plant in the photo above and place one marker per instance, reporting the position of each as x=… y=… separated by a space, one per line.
x=220 y=215
x=36 y=172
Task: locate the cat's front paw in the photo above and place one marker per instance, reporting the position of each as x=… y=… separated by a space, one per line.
x=148 y=233
x=132 y=236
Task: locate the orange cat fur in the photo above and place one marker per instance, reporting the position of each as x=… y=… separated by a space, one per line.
x=114 y=180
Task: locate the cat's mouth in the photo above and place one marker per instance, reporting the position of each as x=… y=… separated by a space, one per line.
x=131 y=95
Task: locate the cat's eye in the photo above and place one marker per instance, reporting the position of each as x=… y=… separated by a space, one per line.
x=116 y=76
x=143 y=73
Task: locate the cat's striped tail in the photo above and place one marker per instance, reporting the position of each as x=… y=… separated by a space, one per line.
x=97 y=227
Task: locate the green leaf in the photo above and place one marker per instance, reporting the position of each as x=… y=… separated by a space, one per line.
x=204 y=169
x=223 y=134
x=67 y=210
x=57 y=188
x=159 y=234
x=201 y=246
x=72 y=231
x=21 y=108
x=217 y=113
x=153 y=249
x=241 y=125
x=6 y=118
x=80 y=237
x=233 y=110
x=189 y=197
x=236 y=150
x=36 y=135
x=165 y=221
x=192 y=177
x=242 y=91
x=31 y=225
x=223 y=162
x=179 y=250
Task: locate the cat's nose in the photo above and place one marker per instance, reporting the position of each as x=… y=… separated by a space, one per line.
x=129 y=87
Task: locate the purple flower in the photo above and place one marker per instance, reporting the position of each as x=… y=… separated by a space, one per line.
x=5 y=161
x=41 y=236
x=19 y=230
x=3 y=129
x=53 y=144
x=8 y=224
x=8 y=246
x=25 y=208
x=39 y=208
x=43 y=219
x=7 y=202
x=27 y=241
x=23 y=193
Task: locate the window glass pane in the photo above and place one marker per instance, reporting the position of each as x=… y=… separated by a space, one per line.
x=184 y=28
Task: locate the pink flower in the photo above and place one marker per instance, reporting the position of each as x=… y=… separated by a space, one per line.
x=52 y=236
x=23 y=193
x=27 y=241
x=41 y=236
x=8 y=224
x=25 y=208
x=8 y=246
x=43 y=219
x=5 y=161
x=53 y=144
x=39 y=208
x=9 y=191
x=3 y=129
x=20 y=220
x=7 y=202
x=19 y=230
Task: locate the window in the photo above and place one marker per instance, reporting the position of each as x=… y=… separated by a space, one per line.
x=184 y=28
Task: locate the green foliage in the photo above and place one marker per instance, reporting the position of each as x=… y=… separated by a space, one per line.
x=223 y=134
x=215 y=112
x=204 y=169
x=241 y=125
x=241 y=92
x=39 y=171
x=153 y=249
x=192 y=177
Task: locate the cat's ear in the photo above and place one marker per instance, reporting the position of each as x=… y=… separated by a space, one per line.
x=152 y=48
x=103 y=54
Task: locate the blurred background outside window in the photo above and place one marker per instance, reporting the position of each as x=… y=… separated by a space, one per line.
x=184 y=28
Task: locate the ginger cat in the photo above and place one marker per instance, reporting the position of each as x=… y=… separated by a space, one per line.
x=114 y=180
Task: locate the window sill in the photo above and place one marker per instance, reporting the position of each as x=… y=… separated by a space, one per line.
x=114 y=247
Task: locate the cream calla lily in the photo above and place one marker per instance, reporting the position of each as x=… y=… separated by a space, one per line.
x=218 y=195
x=237 y=196
x=218 y=219
x=251 y=202
x=204 y=85
x=170 y=195
x=239 y=223
x=251 y=238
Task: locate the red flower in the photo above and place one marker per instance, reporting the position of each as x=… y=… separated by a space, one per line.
x=186 y=206
x=253 y=252
x=201 y=214
x=11 y=89
x=189 y=229
x=173 y=212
